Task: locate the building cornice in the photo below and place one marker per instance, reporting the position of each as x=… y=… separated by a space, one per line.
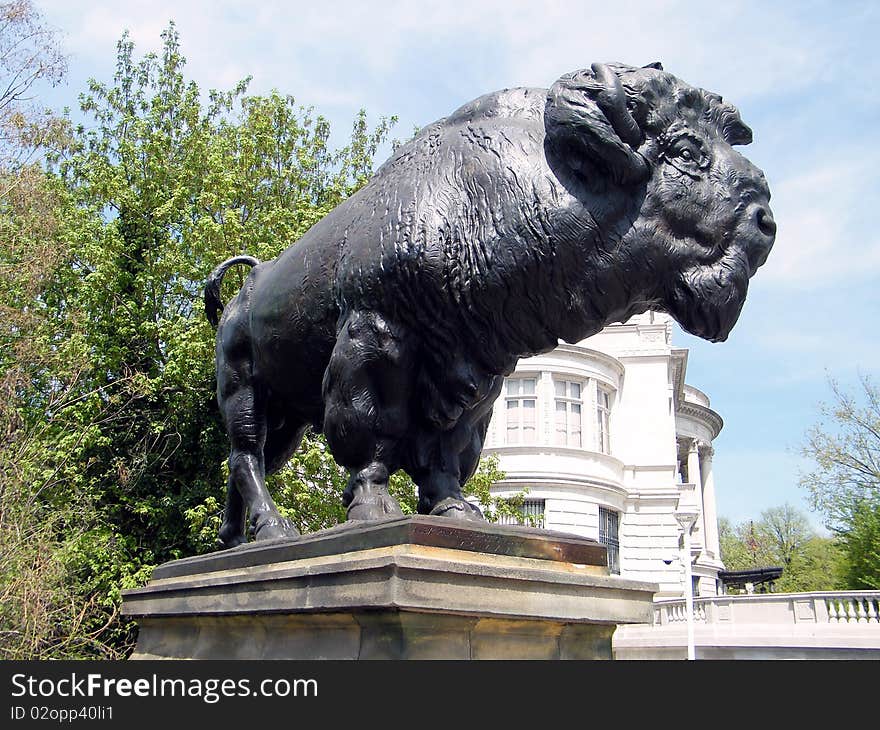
x=581 y=351
x=678 y=359
x=706 y=416
x=571 y=483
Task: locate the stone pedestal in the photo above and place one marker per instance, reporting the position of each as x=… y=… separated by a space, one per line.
x=408 y=588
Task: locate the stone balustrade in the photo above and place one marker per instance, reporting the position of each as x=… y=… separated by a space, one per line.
x=826 y=624
x=833 y=607
x=860 y=608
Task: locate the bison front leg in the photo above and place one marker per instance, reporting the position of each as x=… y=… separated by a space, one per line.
x=441 y=482
x=367 y=387
x=452 y=461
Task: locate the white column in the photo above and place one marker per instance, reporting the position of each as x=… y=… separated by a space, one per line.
x=547 y=407
x=710 y=515
x=695 y=478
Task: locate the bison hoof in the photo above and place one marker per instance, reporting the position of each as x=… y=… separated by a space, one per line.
x=377 y=505
x=458 y=509
x=273 y=528
x=226 y=541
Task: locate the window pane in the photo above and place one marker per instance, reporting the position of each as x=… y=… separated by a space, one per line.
x=559 y=385
x=512 y=434
x=575 y=390
x=512 y=421
x=528 y=421
x=574 y=425
x=528 y=387
x=561 y=424
x=603 y=402
x=512 y=386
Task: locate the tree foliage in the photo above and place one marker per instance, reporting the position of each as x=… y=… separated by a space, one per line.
x=861 y=544
x=30 y=55
x=783 y=537
x=844 y=485
x=114 y=456
x=114 y=439
x=41 y=609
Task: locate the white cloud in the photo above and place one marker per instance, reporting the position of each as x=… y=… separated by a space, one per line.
x=827 y=224
x=355 y=54
x=536 y=41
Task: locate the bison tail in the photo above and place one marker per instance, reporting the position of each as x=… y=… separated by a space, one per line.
x=213 y=303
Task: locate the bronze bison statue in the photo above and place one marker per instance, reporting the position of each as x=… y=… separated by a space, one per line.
x=525 y=217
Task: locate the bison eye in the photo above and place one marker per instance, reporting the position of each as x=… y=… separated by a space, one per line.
x=687 y=155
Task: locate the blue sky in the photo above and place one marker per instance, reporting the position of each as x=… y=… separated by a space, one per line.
x=803 y=74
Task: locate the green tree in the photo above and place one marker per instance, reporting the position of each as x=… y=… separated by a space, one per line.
x=782 y=537
x=108 y=360
x=817 y=566
x=178 y=186
x=844 y=485
x=42 y=518
x=115 y=440
x=861 y=545
x=30 y=55
x=42 y=613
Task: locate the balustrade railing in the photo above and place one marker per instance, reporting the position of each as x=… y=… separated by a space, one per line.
x=824 y=607
x=861 y=608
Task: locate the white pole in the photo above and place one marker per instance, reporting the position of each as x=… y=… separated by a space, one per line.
x=686 y=519
x=689 y=594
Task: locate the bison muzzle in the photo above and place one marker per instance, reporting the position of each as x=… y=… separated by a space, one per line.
x=525 y=217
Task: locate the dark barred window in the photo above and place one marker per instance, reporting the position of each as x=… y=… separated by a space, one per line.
x=608 y=536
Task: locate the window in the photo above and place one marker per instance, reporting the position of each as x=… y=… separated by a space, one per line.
x=533 y=509
x=521 y=410
x=608 y=536
x=603 y=420
x=568 y=413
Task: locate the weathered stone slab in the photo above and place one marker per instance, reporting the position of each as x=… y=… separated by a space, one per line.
x=444 y=591
x=513 y=540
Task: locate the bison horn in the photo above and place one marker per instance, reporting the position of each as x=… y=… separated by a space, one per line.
x=613 y=105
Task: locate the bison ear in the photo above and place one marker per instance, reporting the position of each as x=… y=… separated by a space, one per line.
x=586 y=116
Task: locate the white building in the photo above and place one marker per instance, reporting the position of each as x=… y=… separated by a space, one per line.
x=610 y=442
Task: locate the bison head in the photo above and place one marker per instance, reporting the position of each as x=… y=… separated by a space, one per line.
x=696 y=222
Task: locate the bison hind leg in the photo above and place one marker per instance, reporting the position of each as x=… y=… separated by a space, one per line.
x=280 y=445
x=244 y=412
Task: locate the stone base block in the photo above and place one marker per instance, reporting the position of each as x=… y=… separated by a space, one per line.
x=409 y=588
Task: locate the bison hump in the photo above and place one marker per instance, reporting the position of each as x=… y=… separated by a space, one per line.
x=519 y=107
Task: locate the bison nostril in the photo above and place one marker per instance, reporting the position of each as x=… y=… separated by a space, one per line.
x=766 y=224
